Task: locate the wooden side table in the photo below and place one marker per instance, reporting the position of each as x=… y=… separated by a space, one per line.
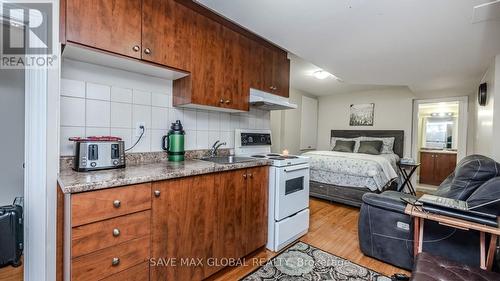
x=407 y=176
x=419 y=216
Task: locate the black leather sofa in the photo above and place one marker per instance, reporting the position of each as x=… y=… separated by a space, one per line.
x=386 y=233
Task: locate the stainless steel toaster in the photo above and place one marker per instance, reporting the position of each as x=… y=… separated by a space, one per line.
x=98 y=155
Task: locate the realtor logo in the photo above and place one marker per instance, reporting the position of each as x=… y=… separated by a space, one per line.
x=28 y=28
x=26 y=35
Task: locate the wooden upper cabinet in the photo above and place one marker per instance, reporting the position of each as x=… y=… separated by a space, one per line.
x=235 y=85
x=281 y=74
x=167 y=33
x=111 y=25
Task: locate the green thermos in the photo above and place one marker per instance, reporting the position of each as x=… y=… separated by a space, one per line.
x=173 y=142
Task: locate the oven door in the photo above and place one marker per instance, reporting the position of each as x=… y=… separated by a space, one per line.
x=292 y=190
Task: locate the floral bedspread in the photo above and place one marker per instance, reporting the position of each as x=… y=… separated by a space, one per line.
x=353 y=169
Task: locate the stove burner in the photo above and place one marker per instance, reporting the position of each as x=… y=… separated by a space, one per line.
x=258 y=156
x=273 y=155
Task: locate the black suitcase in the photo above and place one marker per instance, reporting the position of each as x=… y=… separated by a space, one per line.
x=11 y=234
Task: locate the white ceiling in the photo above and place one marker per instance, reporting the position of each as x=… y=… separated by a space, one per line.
x=427 y=45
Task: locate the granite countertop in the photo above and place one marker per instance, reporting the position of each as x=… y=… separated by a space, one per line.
x=72 y=182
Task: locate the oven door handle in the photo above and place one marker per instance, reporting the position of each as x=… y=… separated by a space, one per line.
x=297 y=167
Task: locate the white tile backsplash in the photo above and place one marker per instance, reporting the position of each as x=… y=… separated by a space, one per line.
x=103 y=101
x=97 y=113
x=141 y=114
x=141 y=97
x=98 y=92
x=72 y=88
x=119 y=94
x=72 y=111
x=121 y=115
x=161 y=100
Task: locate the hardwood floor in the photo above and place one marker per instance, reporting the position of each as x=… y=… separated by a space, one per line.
x=333 y=228
x=10 y=273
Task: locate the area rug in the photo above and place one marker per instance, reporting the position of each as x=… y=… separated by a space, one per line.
x=303 y=262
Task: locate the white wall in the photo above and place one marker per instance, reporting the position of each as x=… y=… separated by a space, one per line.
x=393 y=111
x=286 y=124
x=488 y=117
x=12 y=140
x=96 y=100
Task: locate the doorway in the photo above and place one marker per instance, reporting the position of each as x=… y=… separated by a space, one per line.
x=439 y=139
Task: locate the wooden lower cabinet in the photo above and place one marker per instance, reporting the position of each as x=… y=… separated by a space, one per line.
x=436 y=167
x=200 y=222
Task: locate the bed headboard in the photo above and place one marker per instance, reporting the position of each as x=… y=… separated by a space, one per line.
x=397 y=134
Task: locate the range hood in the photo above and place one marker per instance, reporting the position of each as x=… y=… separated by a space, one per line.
x=266 y=101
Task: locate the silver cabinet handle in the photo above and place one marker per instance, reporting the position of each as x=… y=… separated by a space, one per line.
x=115 y=261
x=157 y=193
x=116 y=232
x=147 y=51
x=117 y=203
x=136 y=48
x=221 y=101
x=250 y=175
x=227 y=101
x=244 y=176
x=271 y=88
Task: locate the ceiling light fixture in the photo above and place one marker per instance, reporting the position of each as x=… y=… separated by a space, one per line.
x=321 y=74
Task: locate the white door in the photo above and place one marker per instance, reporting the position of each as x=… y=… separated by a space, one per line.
x=308 y=123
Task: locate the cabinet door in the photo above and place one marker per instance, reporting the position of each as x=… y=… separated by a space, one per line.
x=281 y=74
x=110 y=25
x=256 y=210
x=427 y=168
x=268 y=70
x=231 y=190
x=255 y=74
x=184 y=225
x=445 y=165
x=207 y=70
x=167 y=33
x=235 y=86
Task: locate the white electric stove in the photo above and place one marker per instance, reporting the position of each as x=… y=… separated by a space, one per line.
x=288 y=217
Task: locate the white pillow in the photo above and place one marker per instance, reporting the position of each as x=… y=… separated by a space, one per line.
x=334 y=140
x=387 y=143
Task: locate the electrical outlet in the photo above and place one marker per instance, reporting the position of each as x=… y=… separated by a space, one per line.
x=138 y=130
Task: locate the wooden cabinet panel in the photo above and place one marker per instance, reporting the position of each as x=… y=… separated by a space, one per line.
x=281 y=75
x=98 y=265
x=88 y=238
x=139 y=272
x=98 y=205
x=184 y=226
x=256 y=208
x=235 y=86
x=231 y=193
x=426 y=168
x=436 y=167
x=167 y=32
x=444 y=166
x=111 y=25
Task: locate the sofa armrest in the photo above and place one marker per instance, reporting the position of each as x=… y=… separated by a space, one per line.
x=388 y=200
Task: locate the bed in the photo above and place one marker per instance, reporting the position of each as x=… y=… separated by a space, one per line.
x=344 y=177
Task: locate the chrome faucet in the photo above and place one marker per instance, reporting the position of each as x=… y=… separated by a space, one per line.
x=215 y=147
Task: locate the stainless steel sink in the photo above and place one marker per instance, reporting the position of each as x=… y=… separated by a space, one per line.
x=227 y=159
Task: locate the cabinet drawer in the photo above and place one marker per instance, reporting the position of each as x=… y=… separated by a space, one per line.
x=89 y=238
x=99 y=264
x=137 y=273
x=99 y=205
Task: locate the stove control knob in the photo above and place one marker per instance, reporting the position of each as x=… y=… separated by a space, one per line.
x=250 y=139
x=262 y=139
x=115 y=162
x=93 y=164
